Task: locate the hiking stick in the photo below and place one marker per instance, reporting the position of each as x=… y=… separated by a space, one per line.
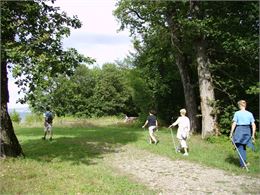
x=173 y=142
x=239 y=154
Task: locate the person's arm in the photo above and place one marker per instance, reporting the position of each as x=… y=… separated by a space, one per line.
x=146 y=122
x=253 y=131
x=175 y=123
x=233 y=126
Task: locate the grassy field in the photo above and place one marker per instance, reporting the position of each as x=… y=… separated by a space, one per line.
x=73 y=162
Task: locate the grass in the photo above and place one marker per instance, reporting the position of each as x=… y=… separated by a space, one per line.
x=73 y=162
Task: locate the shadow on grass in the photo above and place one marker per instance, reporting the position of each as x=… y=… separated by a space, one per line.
x=76 y=145
x=232 y=160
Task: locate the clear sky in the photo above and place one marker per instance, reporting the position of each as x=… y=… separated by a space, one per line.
x=97 y=38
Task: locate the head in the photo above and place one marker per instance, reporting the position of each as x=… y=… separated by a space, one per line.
x=183 y=112
x=48 y=108
x=241 y=104
x=153 y=112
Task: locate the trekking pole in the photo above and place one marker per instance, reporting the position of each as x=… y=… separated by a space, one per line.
x=239 y=154
x=173 y=142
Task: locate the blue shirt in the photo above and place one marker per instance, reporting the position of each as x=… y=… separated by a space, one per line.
x=243 y=117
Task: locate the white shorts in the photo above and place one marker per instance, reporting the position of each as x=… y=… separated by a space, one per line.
x=151 y=129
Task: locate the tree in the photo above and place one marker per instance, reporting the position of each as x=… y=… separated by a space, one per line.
x=145 y=18
x=31 y=41
x=215 y=39
x=67 y=95
x=111 y=95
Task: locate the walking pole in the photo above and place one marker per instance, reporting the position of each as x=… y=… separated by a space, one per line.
x=239 y=155
x=173 y=142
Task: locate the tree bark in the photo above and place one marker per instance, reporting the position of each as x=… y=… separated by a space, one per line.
x=189 y=92
x=206 y=88
x=9 y=144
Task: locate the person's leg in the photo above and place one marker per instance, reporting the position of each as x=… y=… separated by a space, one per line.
x=150 y=139
x=45 y=131
x=152 y=136
x=44 y=135
x=241 y=149
x=50 y=131
x=151 y=129
x=184 y=146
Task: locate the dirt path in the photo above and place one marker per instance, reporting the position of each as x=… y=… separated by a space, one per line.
x=179 y=177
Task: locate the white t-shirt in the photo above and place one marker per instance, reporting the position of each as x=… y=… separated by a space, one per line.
x=183 y=123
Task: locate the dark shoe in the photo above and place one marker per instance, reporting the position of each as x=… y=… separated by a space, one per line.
x=50 y=138
x=43 y=138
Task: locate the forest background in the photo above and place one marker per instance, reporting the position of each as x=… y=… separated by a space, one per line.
x=203 y=56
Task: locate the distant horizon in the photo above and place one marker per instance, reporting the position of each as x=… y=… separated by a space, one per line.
x=24 y=107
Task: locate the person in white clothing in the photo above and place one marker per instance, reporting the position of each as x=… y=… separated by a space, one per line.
x=183 y=123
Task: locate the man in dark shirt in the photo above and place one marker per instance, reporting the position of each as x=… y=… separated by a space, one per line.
x=152 y=126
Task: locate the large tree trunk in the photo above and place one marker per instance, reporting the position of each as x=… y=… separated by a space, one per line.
x=206 y=88
x=9 y=145
x=183 y=66
x=189 y=92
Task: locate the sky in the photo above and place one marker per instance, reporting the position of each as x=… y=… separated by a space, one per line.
x=97 y=38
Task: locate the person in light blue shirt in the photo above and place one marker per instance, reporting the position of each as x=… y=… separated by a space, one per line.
x=243 y=128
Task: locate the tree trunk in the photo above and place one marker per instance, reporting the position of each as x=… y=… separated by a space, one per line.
x=189 y=93
x=206 y=88
x=9 y=144
x=183 y=66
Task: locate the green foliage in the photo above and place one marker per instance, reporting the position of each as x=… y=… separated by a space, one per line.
x=218 y=139
x=15 y=117
x=89 y=93
x=34 y=118
x=31 y=45
x=230 y=31
x=254 y=90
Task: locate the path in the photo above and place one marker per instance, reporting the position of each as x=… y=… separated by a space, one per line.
x=179 y=177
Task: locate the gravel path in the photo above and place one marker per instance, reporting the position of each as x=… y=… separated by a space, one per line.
x=179 y=177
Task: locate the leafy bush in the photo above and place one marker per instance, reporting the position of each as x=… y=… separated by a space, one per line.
x=15 y=117
x=225 y=118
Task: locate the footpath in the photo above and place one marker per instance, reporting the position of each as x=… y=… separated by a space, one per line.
x=168 y=177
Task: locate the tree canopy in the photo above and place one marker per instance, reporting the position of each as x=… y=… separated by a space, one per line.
x=229 y=31
x=31 y=46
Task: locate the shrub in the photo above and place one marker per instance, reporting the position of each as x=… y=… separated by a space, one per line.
x=33 y=118
x=15 y=117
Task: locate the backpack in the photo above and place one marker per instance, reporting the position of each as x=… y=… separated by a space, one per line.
x=48 y=117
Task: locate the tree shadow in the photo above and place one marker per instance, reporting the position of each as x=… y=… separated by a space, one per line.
x=76 y=145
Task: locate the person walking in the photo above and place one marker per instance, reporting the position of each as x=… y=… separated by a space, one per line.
x=243 y=131
x=152 y=126
x=183 y=123
x=48 y=119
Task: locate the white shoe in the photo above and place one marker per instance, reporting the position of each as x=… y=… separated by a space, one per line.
x=185 y=154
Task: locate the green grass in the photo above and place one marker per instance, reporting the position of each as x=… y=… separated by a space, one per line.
x=73 y=162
